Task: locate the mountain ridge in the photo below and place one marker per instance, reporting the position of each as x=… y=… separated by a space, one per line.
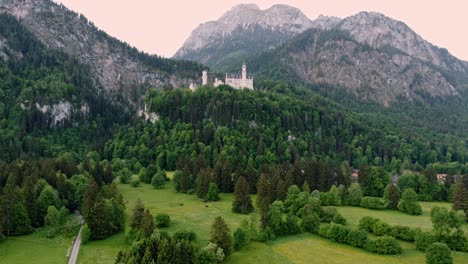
x=414 y=64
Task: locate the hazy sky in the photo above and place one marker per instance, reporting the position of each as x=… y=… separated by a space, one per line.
x=161 y=26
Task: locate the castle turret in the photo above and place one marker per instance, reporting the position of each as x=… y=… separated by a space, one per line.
x=204 y=78
x=244 y=72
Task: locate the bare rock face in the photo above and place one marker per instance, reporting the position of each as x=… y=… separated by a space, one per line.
x=244 y=31
x=334 y=58
x=116 y=68
x=380 y=31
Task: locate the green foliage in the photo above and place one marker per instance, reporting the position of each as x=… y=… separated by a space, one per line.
x=373 y=203
x=367 y=222
x=354 y=194
x=242 y=202
x=185 y=235
x=241 y=239
x=163 y=220
x=448 y=228
x=85 y=234
x=409 y=203
x=135 y=183
x=213 y=192
x=158 y=181
x=332 y=197
x=424 y=239
x=403 y=232
x=338 y=233
x=438 y=253
x=380 y=228
x=385 y=245
x=392 y=196
x=357 y=238
x=221 y=236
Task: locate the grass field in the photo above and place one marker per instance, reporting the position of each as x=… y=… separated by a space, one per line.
x=187 y=212
x=307 y=248
x=35 y=248
x=190 y=213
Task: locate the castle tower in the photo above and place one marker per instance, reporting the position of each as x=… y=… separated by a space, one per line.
x=204 y=78
x=244 y=71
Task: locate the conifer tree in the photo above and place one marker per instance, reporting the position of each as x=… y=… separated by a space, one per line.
x=213 y=192
x=263 y=199
x=147 y=224
x=392 y=196
x=136 y=220
x=221 y=235
x=242 y=202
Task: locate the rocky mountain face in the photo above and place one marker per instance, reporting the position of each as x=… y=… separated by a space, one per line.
x=370 y=55
x=123 y=72
x=335 y=58
x=244 y=31
x=382 y=32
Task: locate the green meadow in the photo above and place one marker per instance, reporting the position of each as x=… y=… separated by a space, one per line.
x=35 y=248
x=190 y=213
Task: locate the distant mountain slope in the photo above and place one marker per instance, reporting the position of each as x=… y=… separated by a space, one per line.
x=382 y=32
x=120 y=68
x=246 y=30
x=370 y=55
x=334 y=58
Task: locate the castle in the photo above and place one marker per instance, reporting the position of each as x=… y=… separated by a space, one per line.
x=236 y=81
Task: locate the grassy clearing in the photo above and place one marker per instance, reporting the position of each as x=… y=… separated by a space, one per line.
x=190 y=213
x=187 y=212
x=307 y=248
x=35 y=248
x=393 y=217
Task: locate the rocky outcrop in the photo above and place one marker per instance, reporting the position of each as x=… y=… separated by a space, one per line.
x=246 y=30
x=334 y=58
x=382 y=32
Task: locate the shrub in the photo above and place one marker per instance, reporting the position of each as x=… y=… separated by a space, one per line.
x=339 y=219
x=385 y=245
x=328 y=213
x=338 y=233
x=357 y=238
x=311 y=223
x=158 y=181
x=380 y=228
x=162 y=220
x=438 y=253
x=135 y=183
x=373 y=203
x=423 y=240
x=85 y=234
x=456 y=241
x=366 y=223
x=409 y=203
x=403 y=232
x=323 y=230
x=185 y=235
x=241 y=239
x=354 y=194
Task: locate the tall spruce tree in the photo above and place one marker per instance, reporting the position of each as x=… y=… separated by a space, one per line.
x=221 y=235
x=263 y=199
x=242 y=202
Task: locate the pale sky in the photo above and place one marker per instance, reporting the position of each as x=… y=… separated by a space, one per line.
x=161 y=26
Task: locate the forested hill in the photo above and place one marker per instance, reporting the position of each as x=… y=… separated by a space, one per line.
x=49 y=102
x=122 y=70
x=255 y=128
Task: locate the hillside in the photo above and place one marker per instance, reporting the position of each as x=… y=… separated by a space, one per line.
x=370 y=56
x=122 y=70
x=243 y=31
